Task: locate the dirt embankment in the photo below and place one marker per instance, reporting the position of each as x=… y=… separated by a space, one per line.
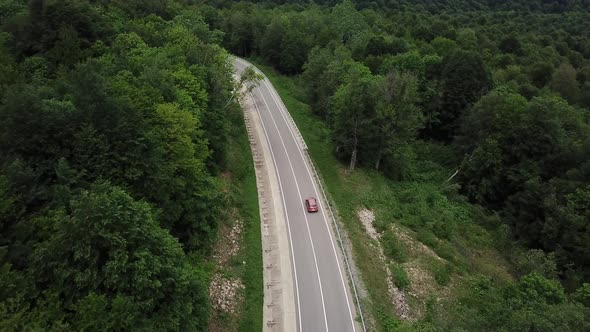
x=398 y=296
x=225 y=291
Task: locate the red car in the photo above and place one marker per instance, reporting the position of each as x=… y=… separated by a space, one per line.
x=311 y=204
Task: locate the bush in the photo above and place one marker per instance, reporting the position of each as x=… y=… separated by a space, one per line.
x=393 y=248
x=399 y=275
x=535 y=261
x=442 y=248
x=582 y=295
x=442 y=273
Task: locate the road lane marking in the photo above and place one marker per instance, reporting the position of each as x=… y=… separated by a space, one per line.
x=284 y=210
x=279 y=105
x=282 y=109
x=304 y=212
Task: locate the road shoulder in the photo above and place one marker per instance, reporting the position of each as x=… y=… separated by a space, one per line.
x=279 y=299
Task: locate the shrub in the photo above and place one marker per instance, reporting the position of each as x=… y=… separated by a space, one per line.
x=442 y=273
x=399 y=275
x=393 y=248
x=442 y=248
x=535 y=261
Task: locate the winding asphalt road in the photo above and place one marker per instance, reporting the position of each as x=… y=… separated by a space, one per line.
x=323 y=298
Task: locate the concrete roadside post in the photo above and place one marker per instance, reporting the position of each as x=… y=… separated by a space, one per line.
x=279 y=299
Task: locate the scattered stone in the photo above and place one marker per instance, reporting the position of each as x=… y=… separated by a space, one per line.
x=398 y=296
x=229 y=244
x=367 y=218
x=224 y=293
x=423 y=283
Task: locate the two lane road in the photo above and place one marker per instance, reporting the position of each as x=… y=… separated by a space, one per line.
x=323 y=299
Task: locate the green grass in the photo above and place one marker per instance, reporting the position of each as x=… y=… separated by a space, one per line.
x=316 y=136
x=428 y=210
x=244 y=196
x=442 y=273
x=399 y=276
x=392 y=247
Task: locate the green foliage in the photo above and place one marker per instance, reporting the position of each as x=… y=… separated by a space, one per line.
x=396 y=124
x=525 y=159
x=510 y=44
x=399 y=275
x=582 y=295
x=466 y=79
x=348 y=21
x=443 y=46
x=113 y=129
x=111 y=265
x=426 y=208
x=540 y=73
x=564 y=82
x=245 y=197
x=392 y=247
x=5 y=200
x=536 y=261
x=8 y=70
x=113 y=246
x=352 y=105
x=58 y=27
x=537 y=288
x=532 y=303
x=163 y=8
x=411 y=62
x=404 y=87
x=442 y=273
x=325 y=71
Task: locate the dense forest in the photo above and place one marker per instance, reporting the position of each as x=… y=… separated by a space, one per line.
x=496 y=91
x=112 y=136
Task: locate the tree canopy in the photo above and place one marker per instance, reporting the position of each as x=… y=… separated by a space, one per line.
x=492 y=94
x=113 y=132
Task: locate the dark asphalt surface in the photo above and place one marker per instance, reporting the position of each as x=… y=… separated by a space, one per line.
x=323 y=296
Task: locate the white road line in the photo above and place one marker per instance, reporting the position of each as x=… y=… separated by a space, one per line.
x=279 y=105
x=284 y=210
x=282 y=110
x=304 y=212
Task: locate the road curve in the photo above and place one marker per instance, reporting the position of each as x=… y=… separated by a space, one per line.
x=323 y=299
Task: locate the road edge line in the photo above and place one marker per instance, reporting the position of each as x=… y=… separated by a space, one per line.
x=279 y=305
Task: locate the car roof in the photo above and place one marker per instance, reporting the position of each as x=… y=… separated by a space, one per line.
x=311 y=199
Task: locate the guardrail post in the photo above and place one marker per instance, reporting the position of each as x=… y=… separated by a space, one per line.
x=303 y=148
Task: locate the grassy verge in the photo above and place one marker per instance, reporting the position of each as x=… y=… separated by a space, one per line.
x=435 y=240
x=320 y=148
x=247 y=264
